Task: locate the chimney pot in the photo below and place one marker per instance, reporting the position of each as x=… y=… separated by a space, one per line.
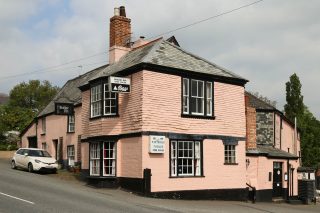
x=116 y=11
x=122 y=11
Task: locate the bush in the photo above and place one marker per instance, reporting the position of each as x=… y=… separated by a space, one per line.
x=6 y=147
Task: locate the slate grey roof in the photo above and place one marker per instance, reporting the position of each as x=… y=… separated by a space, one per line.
x=257 y=103
x=271 y=152
x=164 y=53
x=70 y=93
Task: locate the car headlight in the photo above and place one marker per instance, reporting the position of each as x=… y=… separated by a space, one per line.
x=37 y=161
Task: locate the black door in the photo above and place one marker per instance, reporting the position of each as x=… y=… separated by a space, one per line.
x=32 y=142
x=277 y=179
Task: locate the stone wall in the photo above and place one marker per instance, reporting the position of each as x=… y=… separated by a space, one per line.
x=265 y=128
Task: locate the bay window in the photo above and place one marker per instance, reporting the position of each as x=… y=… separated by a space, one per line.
x=96 y=101
x=103 y=158
x=197 y=97
x=185 y=157
x=103 y=101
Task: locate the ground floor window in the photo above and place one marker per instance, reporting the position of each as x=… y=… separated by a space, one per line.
x=185 y=158
x=103 y=158
x=229 y=154
x=70 y=155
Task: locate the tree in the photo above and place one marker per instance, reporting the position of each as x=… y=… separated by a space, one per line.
x=26 y=100
x=308 y=125
x=294 y=106
x=34 y=95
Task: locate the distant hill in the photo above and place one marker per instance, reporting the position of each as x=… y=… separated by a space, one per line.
x=3 y=98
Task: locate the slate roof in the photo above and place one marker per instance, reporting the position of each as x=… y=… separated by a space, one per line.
x=70 y=93
x=271 y=152
x=257 y=103
x=166 y=54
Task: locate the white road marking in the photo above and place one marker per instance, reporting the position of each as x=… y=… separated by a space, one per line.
x=27 y=201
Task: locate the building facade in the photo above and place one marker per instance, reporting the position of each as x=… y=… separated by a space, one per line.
x=180 y=130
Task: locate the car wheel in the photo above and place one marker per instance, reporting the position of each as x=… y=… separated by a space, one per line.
x=13 y=165
x=30 y=167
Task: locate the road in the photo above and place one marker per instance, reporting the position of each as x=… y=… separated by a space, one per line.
x=21 y=191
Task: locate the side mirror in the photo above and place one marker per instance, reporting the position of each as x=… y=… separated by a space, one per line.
x=25 y=154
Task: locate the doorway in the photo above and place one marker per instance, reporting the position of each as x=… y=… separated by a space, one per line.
x=55 y=148
x=277 y=179
x=32 y=142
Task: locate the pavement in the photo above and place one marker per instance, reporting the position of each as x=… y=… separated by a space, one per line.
x=21 y=191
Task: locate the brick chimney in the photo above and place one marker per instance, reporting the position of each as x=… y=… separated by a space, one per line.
x=120 y=34
x=251 y=129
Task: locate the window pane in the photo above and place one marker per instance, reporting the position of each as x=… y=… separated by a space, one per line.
x=200 y=89
x=194 y=88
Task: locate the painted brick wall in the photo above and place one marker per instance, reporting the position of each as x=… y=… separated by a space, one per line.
x=265 y=128
x=29 y=133
x=216 y=174
x=251 y=142
x=162 y=108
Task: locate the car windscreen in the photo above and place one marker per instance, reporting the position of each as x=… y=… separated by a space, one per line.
x=39 y=153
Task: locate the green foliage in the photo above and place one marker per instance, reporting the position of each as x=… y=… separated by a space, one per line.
x=308 y=125
x=294 y=106
x=34 y=95
x=25 y=102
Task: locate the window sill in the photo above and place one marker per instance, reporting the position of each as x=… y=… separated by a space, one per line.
x=201 y=176
x=198 y=116
x=101 y=177
x=71 y=132
x=43 y=133
x=231 y=164
x=104 y=116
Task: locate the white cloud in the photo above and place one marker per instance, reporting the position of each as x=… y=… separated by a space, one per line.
x=265 y=42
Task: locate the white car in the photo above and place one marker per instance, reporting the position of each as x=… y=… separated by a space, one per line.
x=34 y=160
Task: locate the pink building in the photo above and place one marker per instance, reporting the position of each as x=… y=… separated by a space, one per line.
x=273 y=151
x=178 y=130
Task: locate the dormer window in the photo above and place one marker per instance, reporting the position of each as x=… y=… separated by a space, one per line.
x=103 y=101
x=197 y=98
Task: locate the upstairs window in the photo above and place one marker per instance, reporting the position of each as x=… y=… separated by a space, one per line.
x=103 y=101
x=71 y=123
x=197 y=98
x=110 y=101
x=96 y=101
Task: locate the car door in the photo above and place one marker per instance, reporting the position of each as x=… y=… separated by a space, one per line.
x=18 y=157
x=25 y=159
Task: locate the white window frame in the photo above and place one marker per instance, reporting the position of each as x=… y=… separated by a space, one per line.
x=96 y=97
x=209 y=98
x=107 y=101
x=71 y=155
x=230 y=154
x=110 y=148
x=197 y=97
x=71 y=123
x=195 y=158
x=185 y=96
x=94 y=159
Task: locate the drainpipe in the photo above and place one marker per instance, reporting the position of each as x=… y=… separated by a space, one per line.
x=288 y=180
x=292 y=169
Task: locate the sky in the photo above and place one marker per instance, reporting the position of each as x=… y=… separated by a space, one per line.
x=57 y=40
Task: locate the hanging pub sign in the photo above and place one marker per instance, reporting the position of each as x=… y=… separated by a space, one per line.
x=119 y=84
x=156 y=144
x=63 y=109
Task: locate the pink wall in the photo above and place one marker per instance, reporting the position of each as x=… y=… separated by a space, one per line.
x=162 y=96
x=129 y=157
x=216 y=174
x=56 y=127
x=257 y=173
x=29 y=133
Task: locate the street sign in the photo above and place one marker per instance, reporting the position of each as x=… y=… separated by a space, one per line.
x=119 y=84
